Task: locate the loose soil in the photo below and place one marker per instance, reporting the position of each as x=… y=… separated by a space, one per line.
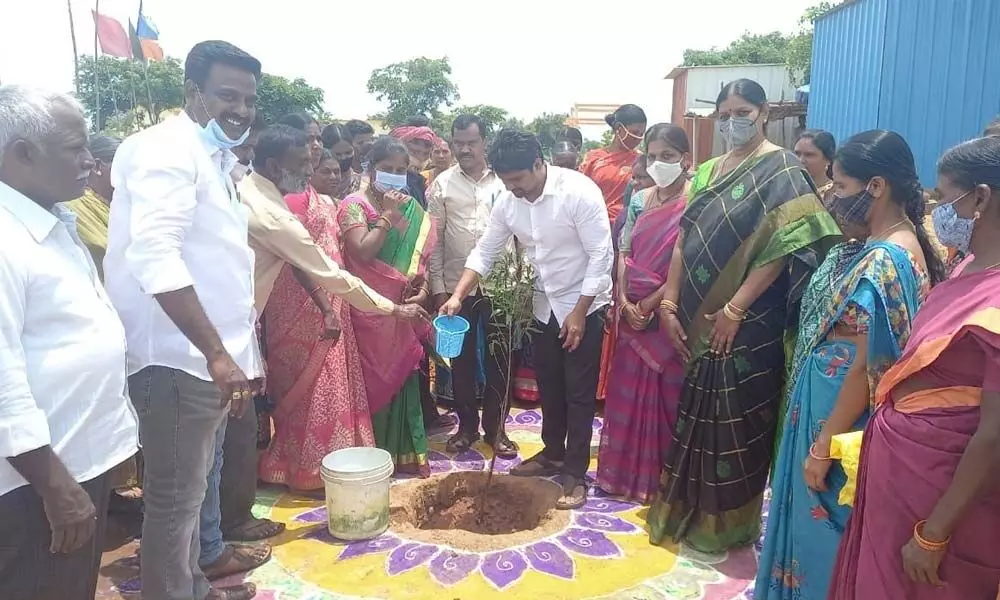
x=446 y=510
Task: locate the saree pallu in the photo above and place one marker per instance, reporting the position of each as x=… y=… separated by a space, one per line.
x=318 y=386
x=713 y=481
x=646 y=372
x=876 y=288
x=391 y=350
x=909 y=454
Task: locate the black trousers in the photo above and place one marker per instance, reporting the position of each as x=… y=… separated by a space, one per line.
x=28 y=571
x=567 y=383
x=463 y=373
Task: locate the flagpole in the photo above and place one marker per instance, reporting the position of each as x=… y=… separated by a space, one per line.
x=76 y=56
x=97 y=79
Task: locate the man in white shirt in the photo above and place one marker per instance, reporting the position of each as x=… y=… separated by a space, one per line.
x=460 y=200
x=180 y=272
x=64 y=419
x=560 y=219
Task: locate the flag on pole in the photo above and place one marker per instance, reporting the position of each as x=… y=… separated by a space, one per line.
x=146 y=33
x=145 y=27
x=111 y=35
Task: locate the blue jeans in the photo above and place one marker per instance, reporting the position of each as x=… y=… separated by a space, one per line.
x=210 y=525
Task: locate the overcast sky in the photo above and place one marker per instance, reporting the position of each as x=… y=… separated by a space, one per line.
x=527 y=56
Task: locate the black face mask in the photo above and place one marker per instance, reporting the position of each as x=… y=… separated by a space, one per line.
x=345 y=166
x=853 y=209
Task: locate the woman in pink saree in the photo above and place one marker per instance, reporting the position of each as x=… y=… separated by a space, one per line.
x=322 y=404
x=927 y=512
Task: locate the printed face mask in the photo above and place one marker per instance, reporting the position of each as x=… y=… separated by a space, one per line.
x=737 y=131
x=952 y=230
x=852 y=210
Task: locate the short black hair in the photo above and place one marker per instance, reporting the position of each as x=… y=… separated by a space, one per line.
x=299 y=120
x=464 y=121
x=335 y=133
x=514 y=150
x=418 y=121
x=357 y=127
x=200 y=59
x=275 y=141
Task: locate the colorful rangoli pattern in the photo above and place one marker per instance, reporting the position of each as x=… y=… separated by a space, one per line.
x=603 y=552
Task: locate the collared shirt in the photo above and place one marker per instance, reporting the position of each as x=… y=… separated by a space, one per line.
x=278 y=237
x=566 y=236
x=461 y=208
x=62 y=348
x=177 y=222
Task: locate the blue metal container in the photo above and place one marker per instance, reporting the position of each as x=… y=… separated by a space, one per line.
x=928 y=69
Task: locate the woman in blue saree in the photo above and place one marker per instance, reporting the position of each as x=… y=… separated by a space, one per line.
x=855 y=319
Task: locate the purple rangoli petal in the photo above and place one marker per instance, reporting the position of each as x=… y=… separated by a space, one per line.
x=602 y=504
x=469 y=460
x=408 y=556
x=550 y=558
x=528 y=417
x=361 y=548
x=316 y=515
x=503 y=568
x=604 y=522
x=504 y=465
x=589 y=543
x=440 y=463
x=132 y=585
x=449 y=567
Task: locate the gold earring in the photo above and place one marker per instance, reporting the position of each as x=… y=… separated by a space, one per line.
x=976 y=216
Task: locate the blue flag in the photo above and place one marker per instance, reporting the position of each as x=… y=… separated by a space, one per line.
x=145 y=29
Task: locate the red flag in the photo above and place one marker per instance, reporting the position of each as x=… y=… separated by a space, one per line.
x=151 y=49
x=114 y=40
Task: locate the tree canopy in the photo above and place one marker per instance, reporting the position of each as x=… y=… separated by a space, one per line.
x=419 y=86
x=131 y=93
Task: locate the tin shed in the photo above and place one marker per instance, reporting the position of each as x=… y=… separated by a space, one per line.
x=928 y=69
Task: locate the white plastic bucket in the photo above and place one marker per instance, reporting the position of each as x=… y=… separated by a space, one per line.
x=357 y=492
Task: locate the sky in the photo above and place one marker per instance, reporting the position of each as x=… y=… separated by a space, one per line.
x=526 y=56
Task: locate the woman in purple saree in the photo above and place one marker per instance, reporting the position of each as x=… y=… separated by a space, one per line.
x=646 y=371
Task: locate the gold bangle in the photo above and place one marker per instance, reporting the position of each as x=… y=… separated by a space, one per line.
x=812 y=453
x=731 y=314
x=388 y=223
x=927 y=544
x=736 y=308
x=669 y=306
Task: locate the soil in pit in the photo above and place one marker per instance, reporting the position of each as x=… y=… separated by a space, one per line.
x=451 y=510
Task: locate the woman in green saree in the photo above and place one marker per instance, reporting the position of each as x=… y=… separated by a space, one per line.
x=387 y=239
x=753 y=233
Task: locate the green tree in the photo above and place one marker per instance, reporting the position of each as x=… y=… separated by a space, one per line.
x=419 y=86
x=278 y=96
x=125 y=85
x=547 y=127
x=749 y=49
x=494 y=116
x=799 y=52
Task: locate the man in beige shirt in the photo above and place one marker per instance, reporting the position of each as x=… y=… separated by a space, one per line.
x=460 y=200
x=282 y=166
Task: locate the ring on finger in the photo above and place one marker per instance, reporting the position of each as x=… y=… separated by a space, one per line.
x=237 y=395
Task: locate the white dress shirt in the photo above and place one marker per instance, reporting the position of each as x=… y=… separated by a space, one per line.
x=176 y=221
x=461 y=208
x=62 y=348
x=566 y=236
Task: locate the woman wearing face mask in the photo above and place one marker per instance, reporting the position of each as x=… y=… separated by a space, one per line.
x=750 y=238
x=646 y=371
x=387 y=241
x=927 y=510
x=856 y=315
x=337 y=139
x=816 y=148
x=322 y=403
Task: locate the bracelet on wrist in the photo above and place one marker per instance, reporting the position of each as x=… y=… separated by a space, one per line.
x=816 y=456
x=669 y=306
x=733 y=313
x=926 y=544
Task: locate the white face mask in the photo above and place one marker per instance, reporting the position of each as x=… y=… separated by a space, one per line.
x=663 y=173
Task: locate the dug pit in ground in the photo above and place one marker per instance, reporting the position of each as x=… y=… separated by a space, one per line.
x=450 y=510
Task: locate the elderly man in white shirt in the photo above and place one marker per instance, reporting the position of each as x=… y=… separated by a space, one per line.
x=180 y=272
x=560 y=219
x=65 y=421
x=460 y=200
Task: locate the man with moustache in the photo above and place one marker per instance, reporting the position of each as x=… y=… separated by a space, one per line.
x=180 y=272
x=460 y=200
x=65 y=422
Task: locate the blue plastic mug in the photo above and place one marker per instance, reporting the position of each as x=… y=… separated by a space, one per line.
x=450 y=335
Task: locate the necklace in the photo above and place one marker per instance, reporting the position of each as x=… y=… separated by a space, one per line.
x=889 y=228
x=749 y=155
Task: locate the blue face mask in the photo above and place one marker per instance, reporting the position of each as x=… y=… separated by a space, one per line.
x=389 y=181
x=215 y=136
x=952 y=230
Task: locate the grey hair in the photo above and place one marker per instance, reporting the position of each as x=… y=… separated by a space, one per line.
x=26 y=114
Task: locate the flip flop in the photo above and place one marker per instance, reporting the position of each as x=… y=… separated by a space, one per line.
x=237 y=559
x=574 y=493
x=537 y=466
x=254 y=530
x=246 y=591
x=505 y=448
x=461 y=441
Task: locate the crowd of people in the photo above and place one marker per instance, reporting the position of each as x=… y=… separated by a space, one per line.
x=247 y=297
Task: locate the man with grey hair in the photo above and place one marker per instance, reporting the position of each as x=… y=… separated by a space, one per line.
x=64 y=419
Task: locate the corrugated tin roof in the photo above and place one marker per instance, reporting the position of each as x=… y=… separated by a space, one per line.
x=927 y=69
x=676 y=71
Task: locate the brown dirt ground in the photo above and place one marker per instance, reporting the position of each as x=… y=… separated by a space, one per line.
x=444 y=510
